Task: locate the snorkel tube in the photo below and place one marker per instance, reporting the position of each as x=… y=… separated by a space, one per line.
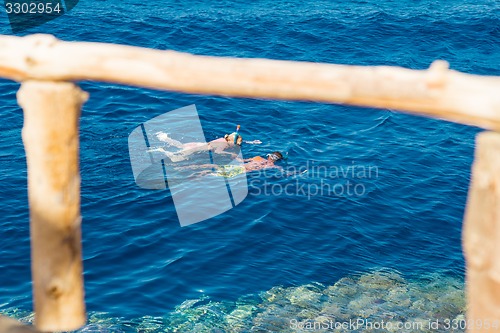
x=236 y=135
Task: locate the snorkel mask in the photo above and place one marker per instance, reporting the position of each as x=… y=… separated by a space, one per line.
x=273 y=157
x=236 y=136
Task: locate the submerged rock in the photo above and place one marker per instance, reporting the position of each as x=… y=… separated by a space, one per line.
x=305 y=297
x=372 y=297
x=239 y=316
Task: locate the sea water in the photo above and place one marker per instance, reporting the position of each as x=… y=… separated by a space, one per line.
x=279 y=261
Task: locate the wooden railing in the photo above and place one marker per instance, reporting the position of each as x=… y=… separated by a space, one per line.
x=47 y=68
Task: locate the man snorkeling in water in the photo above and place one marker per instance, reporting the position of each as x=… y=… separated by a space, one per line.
x=230 y=170
x=258 y=162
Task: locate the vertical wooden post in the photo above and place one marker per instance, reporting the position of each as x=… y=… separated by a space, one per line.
x=50 y=136
x=481 y=236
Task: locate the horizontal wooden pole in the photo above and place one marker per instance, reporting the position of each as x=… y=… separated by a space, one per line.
x=437 y=92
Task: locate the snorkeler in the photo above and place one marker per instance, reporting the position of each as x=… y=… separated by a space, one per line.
x=231 y=170
x=217 y=146
x=258 y=162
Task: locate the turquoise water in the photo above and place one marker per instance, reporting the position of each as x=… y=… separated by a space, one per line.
x=275 y=257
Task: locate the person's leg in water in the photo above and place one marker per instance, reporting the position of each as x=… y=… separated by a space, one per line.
x=165 y=138
x=185 y=148
x=174 y=157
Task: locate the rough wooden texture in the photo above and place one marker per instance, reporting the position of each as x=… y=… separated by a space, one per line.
x=437 y=92
x=481 y=235
x=50 y=135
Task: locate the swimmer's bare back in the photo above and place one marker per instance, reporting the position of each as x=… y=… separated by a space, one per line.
x=214 y=144
x=218 y=146
x=258 y=163
x=193 y=145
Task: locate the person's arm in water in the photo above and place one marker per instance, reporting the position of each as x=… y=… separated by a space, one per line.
x=254 y=142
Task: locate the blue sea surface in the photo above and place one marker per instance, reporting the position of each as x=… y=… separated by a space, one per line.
x=406 y=217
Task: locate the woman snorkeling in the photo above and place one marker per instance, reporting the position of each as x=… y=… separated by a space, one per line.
x=217 y=146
